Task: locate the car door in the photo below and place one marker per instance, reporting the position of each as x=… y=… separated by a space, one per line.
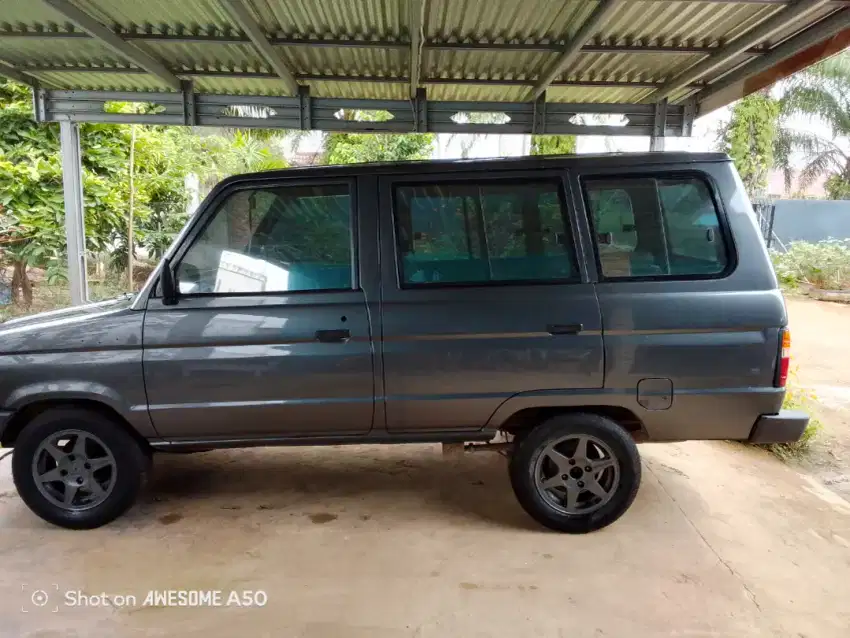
x=484 y=296
x=270 y=335
x=691 y=335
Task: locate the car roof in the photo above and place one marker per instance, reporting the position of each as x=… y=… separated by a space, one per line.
x=585 y=162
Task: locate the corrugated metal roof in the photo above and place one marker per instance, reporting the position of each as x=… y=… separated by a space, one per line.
x=493 y=26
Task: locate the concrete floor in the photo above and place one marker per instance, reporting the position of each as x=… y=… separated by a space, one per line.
x=723 y=540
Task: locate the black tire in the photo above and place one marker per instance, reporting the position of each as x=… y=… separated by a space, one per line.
x=526 y=458
x=131 y=463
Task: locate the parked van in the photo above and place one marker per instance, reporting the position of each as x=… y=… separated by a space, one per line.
x=557 y=309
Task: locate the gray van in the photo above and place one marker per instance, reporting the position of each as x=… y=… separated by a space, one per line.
x=557 y=309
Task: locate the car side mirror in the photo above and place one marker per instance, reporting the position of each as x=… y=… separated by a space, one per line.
x=166 y=282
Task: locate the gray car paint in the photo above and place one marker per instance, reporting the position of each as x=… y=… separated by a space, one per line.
x=443 y=362
x=91 y=352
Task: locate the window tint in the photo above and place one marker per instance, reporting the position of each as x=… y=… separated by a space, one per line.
x=647 y=227
x=280 y=239
x=480 y=233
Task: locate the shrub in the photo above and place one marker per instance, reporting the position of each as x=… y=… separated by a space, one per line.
x=825 y=264
x=797 y=398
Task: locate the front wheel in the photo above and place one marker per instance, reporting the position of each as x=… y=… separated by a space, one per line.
x=76 y=468
x=576 y=473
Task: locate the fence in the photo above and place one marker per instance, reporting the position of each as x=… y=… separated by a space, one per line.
x=766 y=214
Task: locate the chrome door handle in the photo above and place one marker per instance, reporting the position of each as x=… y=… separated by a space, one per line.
x=333 y=336
x=564 y=328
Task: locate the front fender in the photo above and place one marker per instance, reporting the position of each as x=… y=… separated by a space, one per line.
x=70 y=390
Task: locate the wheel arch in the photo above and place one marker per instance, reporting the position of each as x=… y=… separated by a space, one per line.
x=30 y=410
x=525 y=418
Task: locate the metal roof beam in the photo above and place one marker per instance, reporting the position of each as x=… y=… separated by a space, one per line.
x=604 y=10
x=242 y=16
x=830 y=35
x=319 y=113
x=10 y=71
x=105 y=35
x=544 y=47
x=306 y=77
x=781 y=20
x=417 y=11
x=429 y=45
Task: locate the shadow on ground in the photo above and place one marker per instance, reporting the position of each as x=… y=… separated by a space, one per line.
x=324 y=483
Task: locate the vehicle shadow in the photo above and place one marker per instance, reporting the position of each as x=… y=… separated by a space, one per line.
x=402 y=483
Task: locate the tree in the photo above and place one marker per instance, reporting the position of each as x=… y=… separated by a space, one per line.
x=553 y=144
x=353 y=148
x=31 y=196
x=749 y=139
x=241 y=151
x=30 y=190
x=821 y=93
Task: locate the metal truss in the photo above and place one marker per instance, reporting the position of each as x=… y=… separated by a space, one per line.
x=303 y=112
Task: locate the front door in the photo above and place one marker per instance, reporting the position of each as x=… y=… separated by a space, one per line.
x=270 y=335
x=484 y=296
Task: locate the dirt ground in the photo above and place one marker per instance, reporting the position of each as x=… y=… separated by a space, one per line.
x=820 y=358
x=723 y=540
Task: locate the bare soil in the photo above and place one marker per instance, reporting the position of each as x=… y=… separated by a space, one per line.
x=820 y=360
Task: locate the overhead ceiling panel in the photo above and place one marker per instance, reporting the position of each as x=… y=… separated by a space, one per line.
x=491 y=50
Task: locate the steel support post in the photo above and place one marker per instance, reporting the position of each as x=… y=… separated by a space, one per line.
x=75 y=227
x=659 y=127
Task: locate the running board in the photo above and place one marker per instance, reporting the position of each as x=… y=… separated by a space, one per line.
x=363 y=439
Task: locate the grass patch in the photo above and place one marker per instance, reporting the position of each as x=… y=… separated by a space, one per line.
x=797 y=398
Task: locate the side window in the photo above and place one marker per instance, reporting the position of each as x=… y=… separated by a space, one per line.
x=648 y=227
x=491 y=232
x=273 y=239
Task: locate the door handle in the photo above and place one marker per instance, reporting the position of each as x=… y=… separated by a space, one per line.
x=564 y=328
x=333 y=336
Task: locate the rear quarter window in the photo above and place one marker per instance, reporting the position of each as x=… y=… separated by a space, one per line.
x=656 y=227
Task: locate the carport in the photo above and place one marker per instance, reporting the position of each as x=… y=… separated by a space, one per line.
x=543 y=63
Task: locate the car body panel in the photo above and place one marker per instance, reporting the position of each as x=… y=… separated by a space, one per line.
x=91 y=352
x=253 y=366
x=690 y=359
x=452 y=355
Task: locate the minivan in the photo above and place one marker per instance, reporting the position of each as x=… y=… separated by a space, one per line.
x=555 y=309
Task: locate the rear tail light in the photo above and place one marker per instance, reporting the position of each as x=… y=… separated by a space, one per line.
x=784 y=357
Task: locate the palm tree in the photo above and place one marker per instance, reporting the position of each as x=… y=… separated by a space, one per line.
x=820 y=93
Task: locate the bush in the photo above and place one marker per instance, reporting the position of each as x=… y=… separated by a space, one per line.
x=825 y=264
x=797 y=398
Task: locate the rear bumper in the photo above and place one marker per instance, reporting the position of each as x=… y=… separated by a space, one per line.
x=785 y=427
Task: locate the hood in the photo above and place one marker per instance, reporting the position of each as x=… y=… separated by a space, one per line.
x=68 y=314
x=77 y=327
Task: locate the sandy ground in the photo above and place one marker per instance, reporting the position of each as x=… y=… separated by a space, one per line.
x=723 y=540
x=820 y=357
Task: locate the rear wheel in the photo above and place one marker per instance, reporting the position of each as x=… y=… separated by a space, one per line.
x=576 y=473
x=77 y=468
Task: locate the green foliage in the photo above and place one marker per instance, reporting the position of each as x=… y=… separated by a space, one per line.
x=239 y=152
x=354 y=148
x=824 y=265
x=821 y=93
x=31 y=203
x=837 y=186
x=797 y=398
x=749 y=139
x=553 y=144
